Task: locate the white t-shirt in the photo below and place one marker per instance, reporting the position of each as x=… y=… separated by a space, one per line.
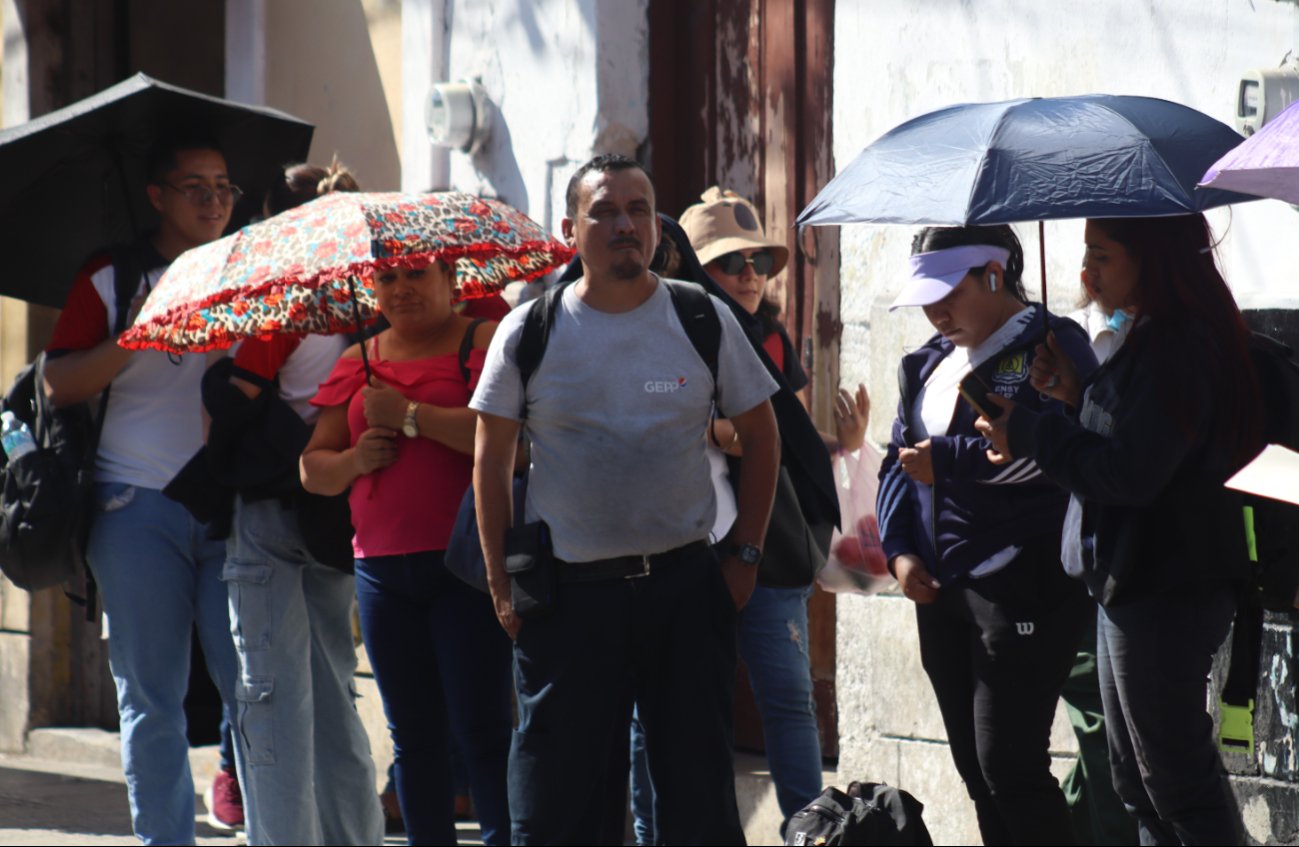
x=154 y=424
x=617 y=412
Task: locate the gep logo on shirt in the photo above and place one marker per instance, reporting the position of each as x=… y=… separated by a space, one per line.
x=665 y=386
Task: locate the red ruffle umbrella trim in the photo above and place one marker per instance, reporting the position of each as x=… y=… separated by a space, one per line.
x=138 y=337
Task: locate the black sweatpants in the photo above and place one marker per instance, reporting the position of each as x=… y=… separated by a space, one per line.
x=997 y=650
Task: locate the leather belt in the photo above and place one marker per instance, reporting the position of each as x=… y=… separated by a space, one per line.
x=625 y=567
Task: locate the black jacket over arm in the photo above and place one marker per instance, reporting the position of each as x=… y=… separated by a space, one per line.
x=1139 y=458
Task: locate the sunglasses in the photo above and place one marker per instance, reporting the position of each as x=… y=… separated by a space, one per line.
x=733 y=264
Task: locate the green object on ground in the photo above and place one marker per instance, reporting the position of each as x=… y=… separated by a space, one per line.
x=1236 y=733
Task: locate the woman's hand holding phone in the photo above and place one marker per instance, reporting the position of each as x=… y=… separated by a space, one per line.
x=1053 y=373
x=996 y=430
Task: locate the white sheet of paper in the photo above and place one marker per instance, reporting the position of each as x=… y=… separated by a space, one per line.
x=1274 y=474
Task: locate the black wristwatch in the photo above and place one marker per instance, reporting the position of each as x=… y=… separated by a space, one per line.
x=749 y=554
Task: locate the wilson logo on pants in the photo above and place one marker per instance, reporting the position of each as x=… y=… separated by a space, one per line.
x=1024 y=627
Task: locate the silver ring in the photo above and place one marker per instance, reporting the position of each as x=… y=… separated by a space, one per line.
x=1053 y=381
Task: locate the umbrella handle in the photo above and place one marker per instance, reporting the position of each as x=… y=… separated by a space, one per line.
x=356 y=315
x=1041 y=254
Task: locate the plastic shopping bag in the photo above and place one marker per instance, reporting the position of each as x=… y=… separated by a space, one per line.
x=856 y=562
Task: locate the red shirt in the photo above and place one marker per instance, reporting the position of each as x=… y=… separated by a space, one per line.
x=409 y=506
x=775 y=347
x=83 y=323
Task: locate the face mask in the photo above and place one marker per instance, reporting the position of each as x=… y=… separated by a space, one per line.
x=1117 y=320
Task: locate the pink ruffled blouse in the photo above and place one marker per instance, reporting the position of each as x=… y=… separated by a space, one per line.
x=409 y=506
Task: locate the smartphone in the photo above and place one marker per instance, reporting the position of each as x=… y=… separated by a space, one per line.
x=976 y=391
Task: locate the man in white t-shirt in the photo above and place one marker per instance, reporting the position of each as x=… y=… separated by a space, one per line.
x=617 y=411
x=159 y=574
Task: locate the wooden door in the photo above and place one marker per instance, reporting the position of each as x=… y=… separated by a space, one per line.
x=740 y=95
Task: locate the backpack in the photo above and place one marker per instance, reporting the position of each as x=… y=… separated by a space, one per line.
x=1272 y=533
x=869 y=813
x=693 y=306
x=45 y=495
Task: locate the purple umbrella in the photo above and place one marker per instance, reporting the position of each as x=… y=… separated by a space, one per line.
x=1267 y=165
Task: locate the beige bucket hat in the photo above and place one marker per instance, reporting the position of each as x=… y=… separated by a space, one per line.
x=725 y=222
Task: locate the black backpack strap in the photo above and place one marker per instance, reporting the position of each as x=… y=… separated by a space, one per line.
x=699 y=319
x=127 y=270
x=693 y=306
x=467 y=346
x=535 y=336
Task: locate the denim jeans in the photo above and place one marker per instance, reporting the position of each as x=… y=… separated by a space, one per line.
x=664 y=642
x=442 y=664
x=773 y=644
x=305 y=764
x=1153 y=656
x=226 y=747
x=159 y=576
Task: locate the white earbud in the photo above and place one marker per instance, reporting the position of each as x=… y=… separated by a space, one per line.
x=992 y=281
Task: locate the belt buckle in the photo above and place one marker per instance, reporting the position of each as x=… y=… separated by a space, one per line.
x=645 y=569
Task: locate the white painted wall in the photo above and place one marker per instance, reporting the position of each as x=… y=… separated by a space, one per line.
x=568 y=78
x=423 y=63
x=894 y=61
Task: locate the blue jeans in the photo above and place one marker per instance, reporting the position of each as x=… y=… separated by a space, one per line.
x=305 y=764
x=159 y=577
x=226 y=747
x=1153 y=656
x=442 y=664
x=773 y=644
x=666 y=643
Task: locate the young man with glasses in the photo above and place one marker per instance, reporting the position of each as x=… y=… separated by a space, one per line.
x=158 y=572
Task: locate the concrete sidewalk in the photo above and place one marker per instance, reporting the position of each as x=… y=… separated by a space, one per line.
x=46 y=801
x=69 y=789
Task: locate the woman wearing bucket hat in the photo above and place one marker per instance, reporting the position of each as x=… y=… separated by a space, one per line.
x=727 y=237
x=977 y=545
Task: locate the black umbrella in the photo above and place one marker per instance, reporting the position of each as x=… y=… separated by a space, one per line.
x=74 y=179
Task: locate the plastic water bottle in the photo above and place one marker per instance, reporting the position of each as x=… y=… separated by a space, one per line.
x=15 y=437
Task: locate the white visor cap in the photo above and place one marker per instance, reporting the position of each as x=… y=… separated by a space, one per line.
x=935 y=274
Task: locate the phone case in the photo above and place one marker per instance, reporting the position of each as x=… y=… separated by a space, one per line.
x=530 y=563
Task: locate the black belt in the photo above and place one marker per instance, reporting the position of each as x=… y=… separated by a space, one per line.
x=625 y=567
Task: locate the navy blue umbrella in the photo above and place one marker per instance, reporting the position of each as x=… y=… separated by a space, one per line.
x=1091 y=156
x=1045 y=158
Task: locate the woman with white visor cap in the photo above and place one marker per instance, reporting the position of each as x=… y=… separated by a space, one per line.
x=976 y=545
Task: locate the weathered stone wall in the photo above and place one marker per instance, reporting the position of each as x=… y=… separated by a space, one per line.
x=567 y=79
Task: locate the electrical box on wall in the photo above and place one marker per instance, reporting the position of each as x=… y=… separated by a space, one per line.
x=1262 y=95
x=456 y=115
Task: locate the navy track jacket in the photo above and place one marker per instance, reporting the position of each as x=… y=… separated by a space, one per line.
x=979 y=508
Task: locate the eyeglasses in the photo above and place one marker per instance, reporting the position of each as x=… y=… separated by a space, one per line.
x=733 y=264
x=201 y=195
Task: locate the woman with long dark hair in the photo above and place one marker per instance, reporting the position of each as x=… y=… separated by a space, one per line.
x=1152 y=532
x=976 y=545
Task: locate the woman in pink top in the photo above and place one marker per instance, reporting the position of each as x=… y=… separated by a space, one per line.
x=404 y=443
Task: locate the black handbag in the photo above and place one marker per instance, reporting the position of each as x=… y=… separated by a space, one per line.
x=464 y=556
x=794 y=550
